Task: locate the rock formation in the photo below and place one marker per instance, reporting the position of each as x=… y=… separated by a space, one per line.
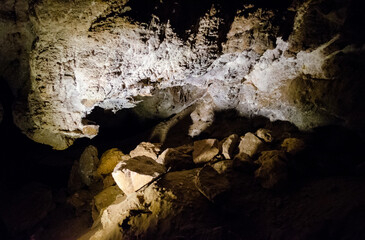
x=300 y=61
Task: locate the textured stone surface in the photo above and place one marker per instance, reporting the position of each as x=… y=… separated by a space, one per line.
x=132 y=174
x=265 y=135
x=147 y=149
x=229 y=145
x=205 y=150
x=88 y=164
x=179 y=158
x=250 y=144
x=293 y=145
x=300 y=61
x=106 y=197
x=273 y=170
x=109 y=160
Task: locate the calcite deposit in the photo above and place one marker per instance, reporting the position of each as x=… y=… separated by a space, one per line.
x=293 y=60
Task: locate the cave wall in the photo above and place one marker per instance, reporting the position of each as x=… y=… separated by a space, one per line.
x=300 y=61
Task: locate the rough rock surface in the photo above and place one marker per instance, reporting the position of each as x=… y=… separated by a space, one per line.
x=205 y=150
x=147 y=149
x=265 y=135
x=273 y=170
x=229 y=145
x=300 y=61
x=88 y=164
x=109 y=160
x=293 y=145
x=179 y=158
x=250 y=144
x=106 y=198
x=132 y=174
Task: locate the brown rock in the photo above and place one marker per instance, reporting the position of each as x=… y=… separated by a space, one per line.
x=105 y=198
x=177 y=158
x=75 y=182
x=250 y=144
x=228 y=145
x=205 y=150
x=108 y=181
x=210 y=183
x=109 y=160
x=88 y=164
x=273 y=170
x=293 y=145
x=265 y=135
x=243 y=162
x=132 y=174
x=147 y=149
x=223 y=166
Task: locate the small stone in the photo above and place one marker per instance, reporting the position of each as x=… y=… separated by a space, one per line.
x=265 y=135
x=293 y=145
x=132 y=174
x=273 y=170
x=109 y=160
x=177 y=158
x=88 y=164
x=223 y=166
x=228 y=145
x=147 y=149
x=250 y=144
x=210 y=183
x=106 y=197
x=205 y=150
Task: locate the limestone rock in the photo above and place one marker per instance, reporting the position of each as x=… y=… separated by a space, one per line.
x=132 y=174
x=177 y=158
x=265 y=135
x=223 y=166
x=229 y=145
x=210 y=183
x=106 y=197
x=88 y=163
x=205 y=150
x=147 y=149
x=250 y=144
x=293 y=145
x=273 y=170
x=108 y=181
x=109 y=160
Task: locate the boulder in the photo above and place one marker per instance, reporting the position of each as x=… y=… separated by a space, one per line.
x=265 y=134
x=273 y=170
x=210 y=183
x=223 y=166
x=108 y=181
x=132 y=174
x=205 y=150
x=228 y=145
x=243 y=162
x=75 y=182
x=109 y=160
x=250 y=144
x=293 y=145
x=88 y=164
x=105 y=198
x=147 y=149
x=177 y=158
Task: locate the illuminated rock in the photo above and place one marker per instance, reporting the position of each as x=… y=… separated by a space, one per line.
x=105 y=198
x=250 y=144
x=229 y=145
x=205 y=150
x=147 y=149
x=293 y=145
x=223 y=166
x=179 y=158
x=273 y=170
x=265 y=135
x=109 y=160
x=88 y=164
x=134 y=173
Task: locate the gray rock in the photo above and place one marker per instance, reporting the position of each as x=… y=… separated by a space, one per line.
x=88 y=164
x=210 y=183
x=229 y=145
x=205 y=150
x=132 y=174
x=273 y=170
x=250 y=144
